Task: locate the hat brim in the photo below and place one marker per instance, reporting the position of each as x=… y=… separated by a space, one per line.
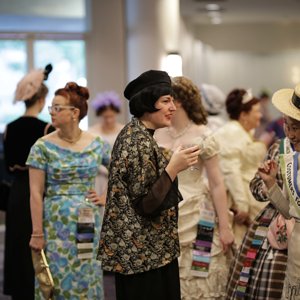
x=282 y=100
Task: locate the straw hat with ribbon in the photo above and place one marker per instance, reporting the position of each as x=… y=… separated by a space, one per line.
x=287 y=101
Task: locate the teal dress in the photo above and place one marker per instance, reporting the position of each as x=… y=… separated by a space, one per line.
x=69 y=176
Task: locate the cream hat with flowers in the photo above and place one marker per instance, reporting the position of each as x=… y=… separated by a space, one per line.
x=30 y=83
x=287 y=101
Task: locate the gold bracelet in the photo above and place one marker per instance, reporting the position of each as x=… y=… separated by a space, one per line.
x=37 y=235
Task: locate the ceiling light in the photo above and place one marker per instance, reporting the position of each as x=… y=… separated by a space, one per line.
x=214 y=14
x=212 y=6
x=172 y=64
x=216 y=20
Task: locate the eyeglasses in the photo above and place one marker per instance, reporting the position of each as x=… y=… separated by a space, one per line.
x=59 y=108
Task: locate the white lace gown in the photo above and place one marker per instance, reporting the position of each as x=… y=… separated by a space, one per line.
x=194 y=189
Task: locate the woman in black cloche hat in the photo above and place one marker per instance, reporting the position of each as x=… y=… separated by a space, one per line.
x=139 y=239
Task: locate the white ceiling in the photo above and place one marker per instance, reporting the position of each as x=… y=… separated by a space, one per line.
x=232 y=11
x=246 y=25
x=243 y=11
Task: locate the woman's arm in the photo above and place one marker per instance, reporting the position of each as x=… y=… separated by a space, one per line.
x=268 y=171
x=37 y=186
x=219 y=197
x=280 y=201
x=95 y=198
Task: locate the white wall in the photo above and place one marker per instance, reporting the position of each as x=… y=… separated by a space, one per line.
x=258 y=37
x=239 y=69
x=268 y=70
x=260 y=56
x=105 y=51
x=229 y=69
x=151 y=32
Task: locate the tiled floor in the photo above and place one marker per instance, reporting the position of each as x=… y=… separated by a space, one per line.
x=109 y=287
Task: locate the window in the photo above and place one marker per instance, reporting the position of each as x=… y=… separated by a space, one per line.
x=43 y=16
x=68 y=61
x=66 y=56
x=13 y=58
x=33 y=34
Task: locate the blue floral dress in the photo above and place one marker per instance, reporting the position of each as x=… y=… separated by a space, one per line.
x=69 y=176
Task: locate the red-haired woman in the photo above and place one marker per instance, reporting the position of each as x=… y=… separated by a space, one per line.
x=64 y=205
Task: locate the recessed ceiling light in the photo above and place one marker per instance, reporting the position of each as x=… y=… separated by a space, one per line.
x=216 y=20
x=212 y=6
x=214 y=14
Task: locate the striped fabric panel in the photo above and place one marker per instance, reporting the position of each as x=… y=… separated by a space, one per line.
x=267 y=272
x=268 y=275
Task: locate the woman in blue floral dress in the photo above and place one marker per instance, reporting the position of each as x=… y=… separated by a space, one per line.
x=64 y=206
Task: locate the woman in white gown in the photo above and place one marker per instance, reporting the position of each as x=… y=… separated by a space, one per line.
x=199 y=202
x=240 y=155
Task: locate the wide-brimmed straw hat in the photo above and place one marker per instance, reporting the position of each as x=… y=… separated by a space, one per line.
x=287 y=101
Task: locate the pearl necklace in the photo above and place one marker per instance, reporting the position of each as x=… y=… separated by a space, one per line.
x=184 y=130
x=70 y=141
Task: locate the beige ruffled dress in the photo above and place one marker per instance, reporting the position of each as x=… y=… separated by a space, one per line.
x=194 y=189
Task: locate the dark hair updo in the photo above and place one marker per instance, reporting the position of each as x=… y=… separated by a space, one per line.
x=236 y=103
x=77 y=96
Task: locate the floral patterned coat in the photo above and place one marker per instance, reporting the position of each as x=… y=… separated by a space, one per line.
x=131 y=242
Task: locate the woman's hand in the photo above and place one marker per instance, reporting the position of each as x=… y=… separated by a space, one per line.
x=268 y=171
x=37 y=243
x=241 y=217
x=182 y=159
x=95 y=198
x=226 y=238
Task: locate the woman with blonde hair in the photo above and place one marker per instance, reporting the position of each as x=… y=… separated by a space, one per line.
x=204 y=232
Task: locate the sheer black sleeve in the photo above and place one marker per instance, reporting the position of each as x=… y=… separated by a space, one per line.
x=163 y=195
